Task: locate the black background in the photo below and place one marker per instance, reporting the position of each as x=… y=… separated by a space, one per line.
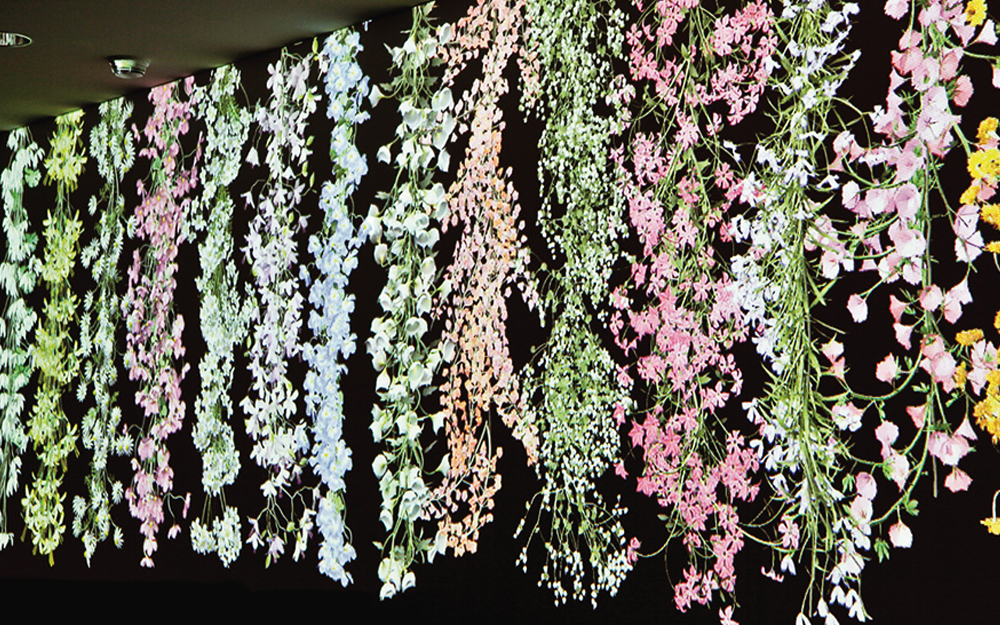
x=949 y=575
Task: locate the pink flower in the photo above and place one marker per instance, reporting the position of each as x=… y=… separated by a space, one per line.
x=938 y=363
x=963 y=91
x=988 y=34
x=917 y=414
x=899 y=468
x=903 y=334
x=948 y=449
x=953 y=300
x=620 y=470
x=887 y=370
x=965 y=430
x=896 y=308
x=726 y=616
x=833 y=350
x=957 y=480
x=865 y=485
x=896 y=8
x=857 y=307
x=900 y=535
x=907 y=201
x=930 y=298
x=886 y=433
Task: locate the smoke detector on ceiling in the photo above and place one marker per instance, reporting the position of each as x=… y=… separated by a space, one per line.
x=128 y=67
x=14 y=40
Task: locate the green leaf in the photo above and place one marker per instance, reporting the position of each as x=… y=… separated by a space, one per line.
x=881 y=549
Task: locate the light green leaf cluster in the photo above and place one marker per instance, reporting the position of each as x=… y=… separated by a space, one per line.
x=113 y=148
x=54 y=351
x=17 y=281
x=572 y=386
x=225 y=309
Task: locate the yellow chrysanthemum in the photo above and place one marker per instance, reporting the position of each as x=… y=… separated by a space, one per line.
x=986 y=127
x=969 y=196
x=993 y=247
x=991 y=214
x=960 y=376
x=992 y=525
x=975 y=12
x=967 y=338
x=984 y=163
x=993 y=377
x=996 y=321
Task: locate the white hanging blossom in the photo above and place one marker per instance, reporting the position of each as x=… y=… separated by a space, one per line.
x=113 y=147
x=334 y=250
x=281 y=439
x=18 y=273
x=405 y=231
x=225 y=310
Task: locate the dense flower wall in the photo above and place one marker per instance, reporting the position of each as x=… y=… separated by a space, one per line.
x=695 y=292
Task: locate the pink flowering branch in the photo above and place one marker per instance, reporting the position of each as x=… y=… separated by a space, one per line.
x=154 y=350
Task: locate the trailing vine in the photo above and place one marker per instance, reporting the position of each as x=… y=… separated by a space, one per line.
x=281 y=438
x=113 y=148
x=54 y=351
x=335 y=252
x=572 y=388
x=225 y=312
x=18 y=273
x=405 y=232
x=154 y=355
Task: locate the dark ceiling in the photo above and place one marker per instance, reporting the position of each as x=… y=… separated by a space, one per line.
x=66 y=66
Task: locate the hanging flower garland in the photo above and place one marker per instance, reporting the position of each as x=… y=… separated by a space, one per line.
x=112 y=147
x=571 y=387
x=491 y=257
x=54 y=350
x=153 y=349
x=335 y=250
x=678 y=315
x=779 y=287
x=979 y=368
x=281 y=439
x=894 y=213
x=18 y=273
x=225 y=313
x=405 y=233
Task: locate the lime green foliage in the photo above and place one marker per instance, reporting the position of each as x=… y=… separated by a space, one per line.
x=54 y=351
x=572 y=386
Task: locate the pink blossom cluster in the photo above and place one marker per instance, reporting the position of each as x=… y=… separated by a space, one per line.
x=745 y=40
x=893 y=224
x=154 y=349
x=678 y=315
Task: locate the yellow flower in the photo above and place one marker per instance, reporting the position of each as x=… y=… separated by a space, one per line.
x=994 y=248
x=967 y=338
x=960 y=375
x=996 y=321
x=975 y=12
x=993 y=377
x=987 y=127
x=992 y=525
x=984 y=163
x=969 y=196
x=991 y=214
